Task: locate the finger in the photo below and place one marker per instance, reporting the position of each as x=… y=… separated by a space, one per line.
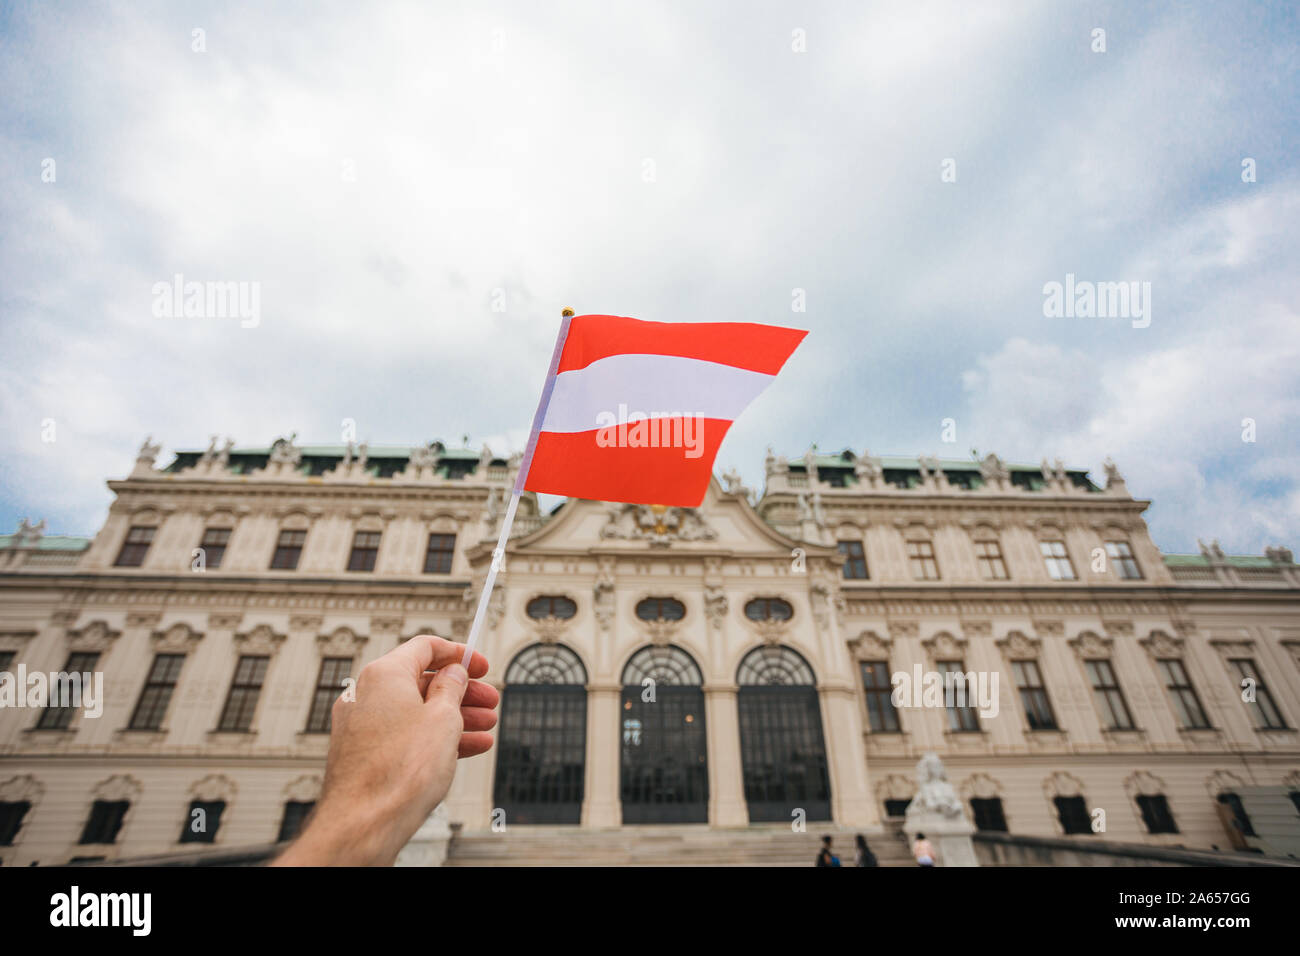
x=480 y=694
x=428 y=652
x=448 y=686
x=471 y=745
x=478 y=718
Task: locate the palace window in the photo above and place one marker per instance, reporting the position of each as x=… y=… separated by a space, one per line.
x=1233 y=802
x=1033 y=695
x=105 y=821
x=1126 y=566
x=1073 y=814
x=1156 y=814
x=882 y=715
x=1264 y=710
x=201 y=827
x=855 y=560
x=959 y=690
x=245 y=689
x=988 y=814
x=1057 y=560
x=6 y=659
x=437 y=557
x=920 y=555
x=1186 y=702
x=288 y=550
x=56 y=716
x=157 y=694
x=11 y=819
x=329 y=684
x=295 y=815
x=551 y=605
x=213 y=545
x=660 y=609
x=988 y=555
x=1106 y=692
x=897 y=808
x=135 y=547
x=768 y=609
x=365 y=549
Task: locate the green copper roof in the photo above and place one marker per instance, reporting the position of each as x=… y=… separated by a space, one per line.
x=1232 y=560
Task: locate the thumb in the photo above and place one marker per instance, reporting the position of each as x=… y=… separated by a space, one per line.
x=448 y=686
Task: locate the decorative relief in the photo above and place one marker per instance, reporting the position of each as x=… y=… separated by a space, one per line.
x=385 y=626
x=224 y=620
x=95 y=636
x=870 y=646
x=944 y=646
x=1049 y=628
x=980 y=785
x=25 y=788
x=306 y=622
x=305 y=789
x=1020 y=646
x=972 y=630
x=260 y=640
x=658 y=524
x=1159 y=644
x=1223 y=781
x=119 y=787
x=1062 y=784
x=180 y=638
x=900 y=630
x=1117 y=630
x=715 y=605
x=214 y=787
x=1089 y=644
x=143 y=619
x=1143 y=783
x=341 y=642
x=550 y=630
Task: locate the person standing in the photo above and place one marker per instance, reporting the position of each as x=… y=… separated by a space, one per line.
x=864 y=855
x=824 y=856
x=923 y=851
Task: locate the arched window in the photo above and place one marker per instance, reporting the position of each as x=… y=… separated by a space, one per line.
x=546 y=664
x=774 y=666
x=667 y=666
x=769 y=609
x=661 y=609
x=551 y=605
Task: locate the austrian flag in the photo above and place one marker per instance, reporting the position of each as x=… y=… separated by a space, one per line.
x=636 y=411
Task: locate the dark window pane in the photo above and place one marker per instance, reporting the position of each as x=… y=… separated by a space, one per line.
x=245 y=689
x=1073 y=814
x=11 y=820
x=769 y=609
x=882 y=715
x=288 y=550
x=295 y=815
x=660 y=609
x=329 y=684
x=855 y=559
x=1156 y=815
x=437 y=559
x=135 y=547
x=365 y=550
x=988 y=815
x=540 y=608
x=56 y=716
x=105 y=821
x=202 y=821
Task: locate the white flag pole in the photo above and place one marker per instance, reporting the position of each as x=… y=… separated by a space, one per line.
x=499 y=552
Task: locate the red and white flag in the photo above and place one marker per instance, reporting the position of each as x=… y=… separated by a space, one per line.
x=636 y=411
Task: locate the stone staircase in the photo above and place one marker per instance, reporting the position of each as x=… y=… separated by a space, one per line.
x=668 y=845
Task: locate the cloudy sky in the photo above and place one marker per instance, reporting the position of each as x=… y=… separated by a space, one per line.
x=391 y=175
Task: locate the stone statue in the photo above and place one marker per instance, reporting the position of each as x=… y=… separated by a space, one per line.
x=735 y=484
x=933 y=791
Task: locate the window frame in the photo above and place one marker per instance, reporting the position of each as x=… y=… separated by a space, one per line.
x=55 y=717
x=924 y=564
x=133 y=552
x=1057 y=565
x=320 y=713
x=231 y=713
x=879 y=700
x=218 y=549
x=1034 y=699
x=1123 y=563
x=448 y=553
x=1182 y=693
x=365 y=551
x=280 y=556
x=1262 y=695
x=962 y=718
x=163 y=689
x=1108 y=693
x=855 y=559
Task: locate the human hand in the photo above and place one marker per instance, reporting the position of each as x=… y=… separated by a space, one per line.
x=393 y=752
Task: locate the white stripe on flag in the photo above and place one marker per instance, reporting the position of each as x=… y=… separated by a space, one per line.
x=653 y=386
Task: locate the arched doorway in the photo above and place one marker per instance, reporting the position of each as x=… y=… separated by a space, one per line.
x=542 y=744
x=782 y=749
x=664 y=775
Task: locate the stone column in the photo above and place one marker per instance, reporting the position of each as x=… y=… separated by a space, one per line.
x=601 y=806
x=846 y=760
x=727 y=806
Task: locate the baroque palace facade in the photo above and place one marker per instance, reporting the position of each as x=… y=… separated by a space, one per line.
x=727 y=665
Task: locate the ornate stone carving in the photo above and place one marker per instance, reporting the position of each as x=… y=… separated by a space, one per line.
x=214 y=786
x=1089 y=644
x=341 y=642
x=903 y=629
x=1159 y=644
x=180 y=638
x=944 y=646
x=224 y=620
x=118 y=787
x=658 y=525
x=305 y=789
x=96 y=636
x=715 y=605
x=870 y=646
x=262 y=639
x=934 y=793
x=1019 y=646
x=28 y=535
